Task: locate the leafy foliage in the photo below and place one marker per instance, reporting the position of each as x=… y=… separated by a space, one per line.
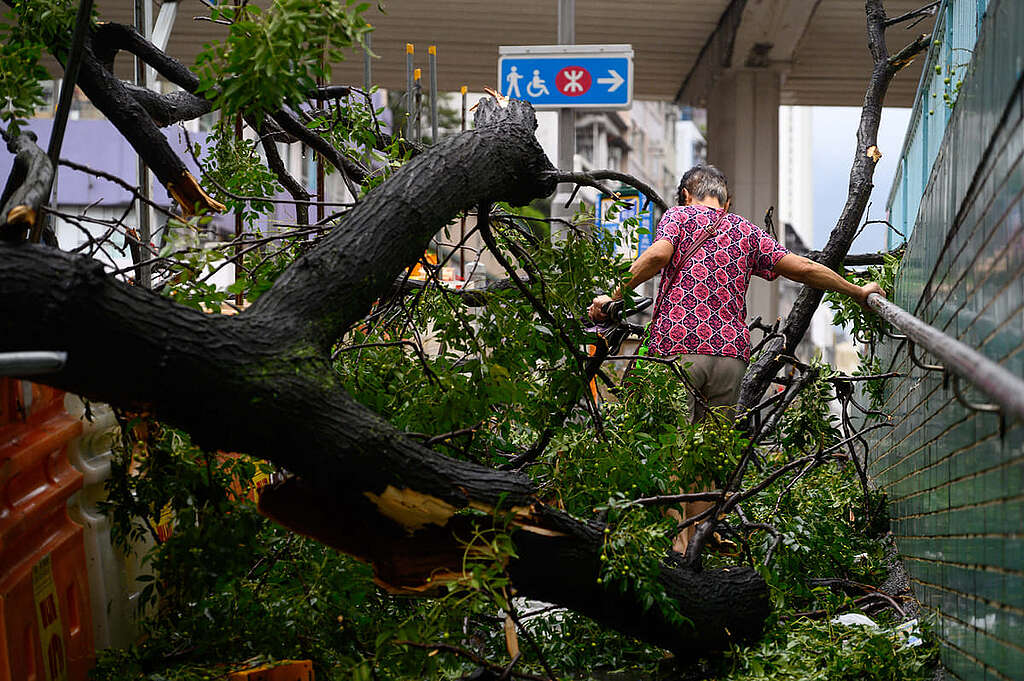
x=865 y=325
x=234 y=168
x=848 y=313
x=274 y=57
x=839 y=653
x=25 y=32
x=20 y=76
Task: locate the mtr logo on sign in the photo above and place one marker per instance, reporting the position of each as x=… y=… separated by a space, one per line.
x=573 y=81
x=568 y=76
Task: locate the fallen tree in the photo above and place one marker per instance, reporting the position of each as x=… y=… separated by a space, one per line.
x=261 y=382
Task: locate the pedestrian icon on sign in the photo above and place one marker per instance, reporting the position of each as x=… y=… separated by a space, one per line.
x=513 y=79
x=537 y=86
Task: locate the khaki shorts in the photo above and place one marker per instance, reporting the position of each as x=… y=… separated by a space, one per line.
x=718 y=380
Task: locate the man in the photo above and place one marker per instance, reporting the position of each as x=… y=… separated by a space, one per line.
x=701 y=313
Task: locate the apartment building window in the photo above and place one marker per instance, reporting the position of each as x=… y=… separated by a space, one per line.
x=585 y=142
x=46 y=109
x=616 y=157
x=637 y=140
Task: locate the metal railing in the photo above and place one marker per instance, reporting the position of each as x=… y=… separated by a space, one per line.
x=954 y=37
x=959 y=361
x=31 y=363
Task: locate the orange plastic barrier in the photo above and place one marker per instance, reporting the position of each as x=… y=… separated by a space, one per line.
x=45 y=628
x=286 y=670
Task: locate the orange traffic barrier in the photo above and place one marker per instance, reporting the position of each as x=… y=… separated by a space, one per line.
x=45 y=628
x=285 y=670
x=246 y=489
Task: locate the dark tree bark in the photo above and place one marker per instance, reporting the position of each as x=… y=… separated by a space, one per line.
x=261 y=383
x=170 y=107
x=26 y=188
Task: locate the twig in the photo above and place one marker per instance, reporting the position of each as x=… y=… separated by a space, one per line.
x=772 y=530
x=118 y=181
x=416 y=348
x=680 y=372
x=469 y=655
x=592 y=179
x=434 y=439
x=838 y=445
x=903 y=58
x=927 y=10
x=508 y=669
x=666 y=499
x=254 y=199
x=511 y=612
x=819 y=614
x=871 y=377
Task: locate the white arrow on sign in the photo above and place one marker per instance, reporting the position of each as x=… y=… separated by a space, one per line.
x=615 y=81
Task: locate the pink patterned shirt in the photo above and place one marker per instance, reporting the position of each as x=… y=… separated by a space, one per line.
x=703 y=309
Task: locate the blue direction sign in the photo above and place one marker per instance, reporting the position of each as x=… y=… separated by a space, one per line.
x=568 y=76
x=632 y=241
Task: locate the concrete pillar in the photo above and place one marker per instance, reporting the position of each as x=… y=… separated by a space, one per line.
x=600 y=145
x=743 y=141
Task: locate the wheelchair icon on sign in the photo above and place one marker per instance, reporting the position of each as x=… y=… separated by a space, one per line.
x=538 y=86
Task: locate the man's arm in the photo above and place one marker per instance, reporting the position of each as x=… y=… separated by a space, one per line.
x=643 y=268
x=799 y=268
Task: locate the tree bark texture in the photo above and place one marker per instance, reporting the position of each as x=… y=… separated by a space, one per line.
x=27 y=187
x=261 y=383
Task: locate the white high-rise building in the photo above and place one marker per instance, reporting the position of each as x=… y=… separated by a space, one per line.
x=795 y=220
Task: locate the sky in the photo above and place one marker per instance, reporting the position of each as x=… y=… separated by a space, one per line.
x=833 y=142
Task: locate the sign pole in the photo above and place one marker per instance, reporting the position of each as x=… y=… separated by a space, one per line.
x=566 y=126
x=432 y=51
x=409 y=50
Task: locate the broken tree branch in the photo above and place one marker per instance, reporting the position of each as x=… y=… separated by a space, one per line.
x=761 y=372
x=27 y=188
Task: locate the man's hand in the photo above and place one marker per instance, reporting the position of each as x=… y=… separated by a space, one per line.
x=596 y=313
x=867 y=290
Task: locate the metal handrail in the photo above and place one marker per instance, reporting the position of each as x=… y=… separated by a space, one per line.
x=31 y=363
x=958 y=358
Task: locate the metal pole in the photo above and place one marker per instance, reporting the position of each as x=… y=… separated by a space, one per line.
x=144 y=273
x=162 y=30
x=463 y=92
x=367 y=73
x=432 y=63
x=409 y=49
x=992 y=379
x=566 y=124
x=462 y=221
x=67 y=89
x=238 y=220
x=319 y=159
x=67 y=86
x=418 y=89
